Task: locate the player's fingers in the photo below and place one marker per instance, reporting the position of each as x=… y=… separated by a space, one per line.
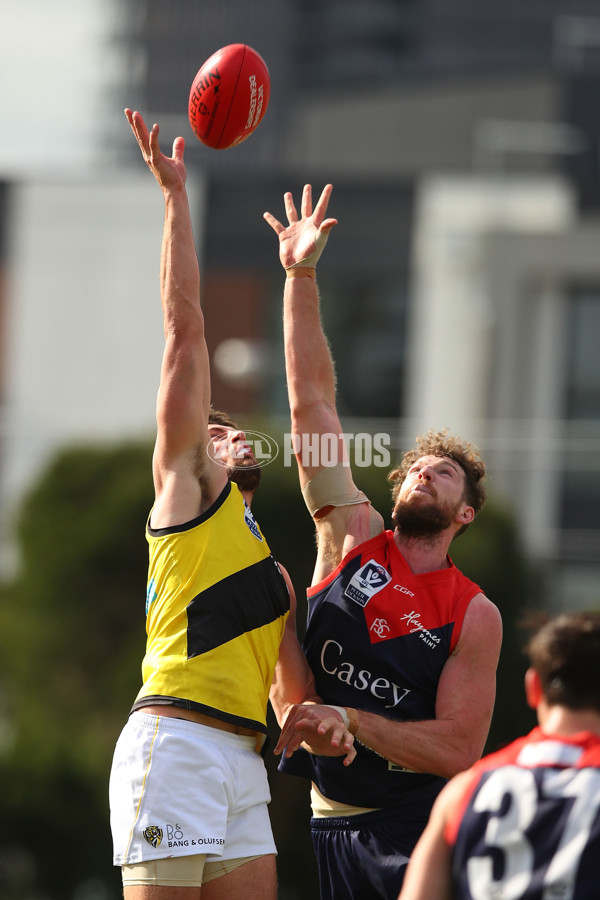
x=140 y=132
x=279 y=746
x=306 y=208
x=293 y=744
x=287 y=732
x=273 y=222
x=330 y=724
x=327 y=225
x=321 y=207
x=288 y=729
x=310 y=725
x=153 y=149
x=350 y=756
x=139 y=124
x=178 y=148
x=290 y=208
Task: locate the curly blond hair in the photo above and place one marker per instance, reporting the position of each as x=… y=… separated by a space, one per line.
x=441 y=443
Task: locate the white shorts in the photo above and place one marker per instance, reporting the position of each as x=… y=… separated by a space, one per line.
x=178 y=788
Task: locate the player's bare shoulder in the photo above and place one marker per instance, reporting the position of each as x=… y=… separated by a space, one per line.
x=482 y=626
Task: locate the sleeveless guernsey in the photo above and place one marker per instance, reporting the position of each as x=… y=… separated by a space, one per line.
x=377 y=639
x=215 y=612
x=528 y=824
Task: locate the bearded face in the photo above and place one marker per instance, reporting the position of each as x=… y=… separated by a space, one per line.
x=430 y=498
x=246 y=474
x=417 y=520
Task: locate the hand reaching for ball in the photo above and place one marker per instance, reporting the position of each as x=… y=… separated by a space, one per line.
x=301 y=242
x=169 y=171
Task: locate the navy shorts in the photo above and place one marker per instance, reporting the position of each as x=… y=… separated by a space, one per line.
x=364 y=857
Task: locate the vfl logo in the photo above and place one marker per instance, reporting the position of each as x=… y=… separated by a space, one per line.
x=251 y=522
x=369 y=579
x=380 y=627
x=153 y=835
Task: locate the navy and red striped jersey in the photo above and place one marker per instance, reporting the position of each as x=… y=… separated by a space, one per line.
x=377 y=639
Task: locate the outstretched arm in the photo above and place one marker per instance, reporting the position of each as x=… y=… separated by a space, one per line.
x=309 y=365
x=311 y=377
x=186 y=481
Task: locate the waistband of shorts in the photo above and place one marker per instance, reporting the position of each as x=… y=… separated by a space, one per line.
x=166 y=724
x=342 y=823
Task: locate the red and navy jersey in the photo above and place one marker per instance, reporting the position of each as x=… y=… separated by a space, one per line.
x=528 y=824
x=377 y=639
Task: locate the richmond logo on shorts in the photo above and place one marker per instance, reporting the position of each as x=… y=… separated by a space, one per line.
x=153 y=835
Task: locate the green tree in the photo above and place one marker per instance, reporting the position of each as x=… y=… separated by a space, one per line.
x=72 y=626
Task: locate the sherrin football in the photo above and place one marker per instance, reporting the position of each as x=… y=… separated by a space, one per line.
x=229 y=96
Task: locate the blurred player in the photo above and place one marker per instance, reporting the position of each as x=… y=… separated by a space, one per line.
x=524 y=823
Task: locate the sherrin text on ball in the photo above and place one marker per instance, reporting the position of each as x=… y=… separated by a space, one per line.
x=229 y=96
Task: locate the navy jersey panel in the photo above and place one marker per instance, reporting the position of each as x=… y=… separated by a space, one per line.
x=377 y=639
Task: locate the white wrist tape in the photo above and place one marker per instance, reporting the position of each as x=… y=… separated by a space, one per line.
x=342 y=712
x=311 y=259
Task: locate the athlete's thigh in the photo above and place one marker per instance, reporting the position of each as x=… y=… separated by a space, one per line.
x=161 y=892
x=255 y=880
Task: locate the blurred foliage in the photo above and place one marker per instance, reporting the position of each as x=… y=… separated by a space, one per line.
x=72 y=626
x=490 y=554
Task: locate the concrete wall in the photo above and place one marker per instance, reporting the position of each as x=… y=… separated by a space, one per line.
x=84 y=322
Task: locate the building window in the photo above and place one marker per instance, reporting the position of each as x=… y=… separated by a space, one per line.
x=580 y=507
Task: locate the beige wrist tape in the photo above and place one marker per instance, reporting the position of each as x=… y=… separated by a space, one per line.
x=311 y=259
x=354 y=723
x=332 y=486
x=301 y=273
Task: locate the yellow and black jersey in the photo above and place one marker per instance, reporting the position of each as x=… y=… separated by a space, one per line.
x=215 y=612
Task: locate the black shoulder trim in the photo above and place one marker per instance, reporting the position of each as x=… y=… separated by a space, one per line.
x=187 y=526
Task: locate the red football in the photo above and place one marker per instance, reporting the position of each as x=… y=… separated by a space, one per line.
x=229 y=96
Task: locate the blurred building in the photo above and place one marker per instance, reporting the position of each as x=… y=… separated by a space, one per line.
x=462 y=285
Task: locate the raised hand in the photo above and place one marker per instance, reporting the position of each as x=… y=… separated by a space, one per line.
x=302 y=240
x=169 y=171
